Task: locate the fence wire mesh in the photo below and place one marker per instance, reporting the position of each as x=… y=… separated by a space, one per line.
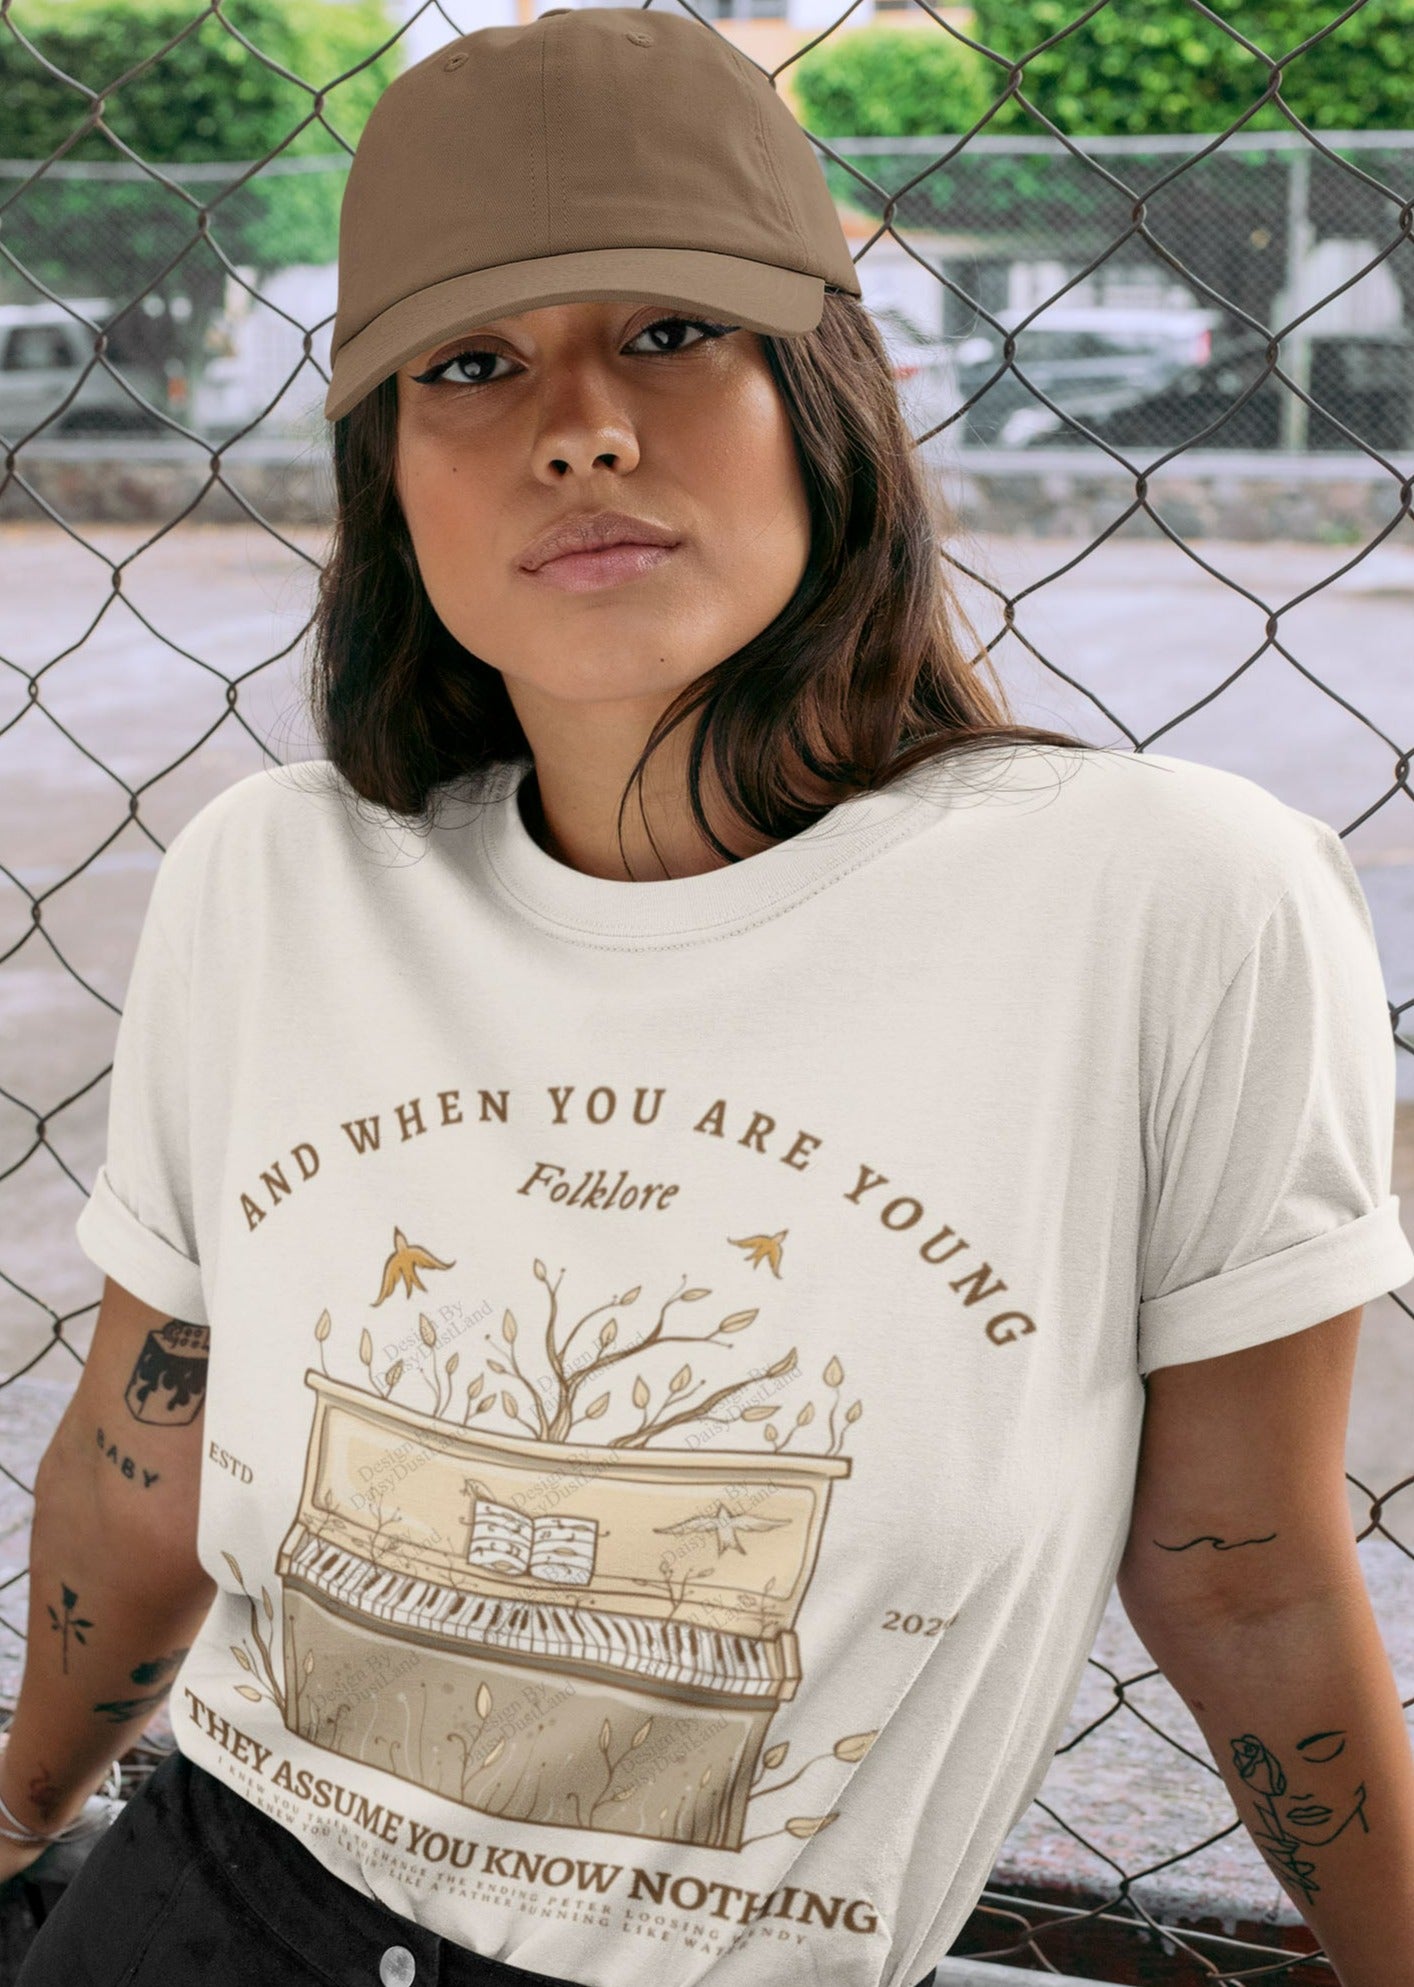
x=1135 y=298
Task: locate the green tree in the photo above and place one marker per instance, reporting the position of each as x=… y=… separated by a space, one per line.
x=174 y=88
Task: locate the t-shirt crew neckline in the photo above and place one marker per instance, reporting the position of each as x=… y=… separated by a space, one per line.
x=686 y=909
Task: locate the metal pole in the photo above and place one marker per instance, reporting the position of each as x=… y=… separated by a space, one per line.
x=1295 y=354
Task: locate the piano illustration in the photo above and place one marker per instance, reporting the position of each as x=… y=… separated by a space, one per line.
x=566 y=1633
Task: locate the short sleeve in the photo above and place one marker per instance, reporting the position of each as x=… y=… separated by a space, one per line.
x=1272 y=1208
x=137 y=1224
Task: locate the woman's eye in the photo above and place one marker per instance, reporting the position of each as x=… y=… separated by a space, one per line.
x=434 y=374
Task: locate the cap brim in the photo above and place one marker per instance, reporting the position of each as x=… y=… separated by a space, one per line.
x=755 y=294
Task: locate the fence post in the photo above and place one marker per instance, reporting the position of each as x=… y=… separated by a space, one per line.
x=1295 y=356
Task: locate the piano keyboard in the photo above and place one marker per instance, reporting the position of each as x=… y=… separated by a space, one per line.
x=678 y=1652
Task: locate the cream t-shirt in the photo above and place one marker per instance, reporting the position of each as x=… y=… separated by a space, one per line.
x=672 y=1351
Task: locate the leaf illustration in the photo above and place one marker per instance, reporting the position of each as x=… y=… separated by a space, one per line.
x=609 y=1333
x=269 y=1605
x=308 y=1661
x=853 y=1412
x=321 y=1329
x=834 y=1373
x=856 y=1746
x=807 y=1413
x=757 y=1413
x=593 y=1412
x=495 y=1753
x=497 y=1367
x=773 y=1756
x=509 y=1405
x=483 y=1700
x=473 y=1387
x=233 y=1566
x=69 y=1596
x=679 y=1379
x=641 y=1734
x=365 y=1347
x=508 y=1329
x=737 y=1322
x=248 y=1690
x=393 y=1374
x=424 y=1329
x=689 y=1295
x=810 y=1825
x=490 y=1401
x=629 y=1295
x=452 y=1364
x=242 y=1658
x=781 y=1365
x=604 y=1736
x=640 y=1392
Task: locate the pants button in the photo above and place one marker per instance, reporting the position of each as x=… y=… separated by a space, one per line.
x=397 y=1968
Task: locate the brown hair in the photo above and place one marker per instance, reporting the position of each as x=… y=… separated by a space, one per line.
x=860 y=677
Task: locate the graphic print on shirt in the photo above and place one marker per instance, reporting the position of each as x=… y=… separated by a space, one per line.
x=538 y=1626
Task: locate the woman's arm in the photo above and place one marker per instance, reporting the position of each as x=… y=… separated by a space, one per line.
x=117 y=1592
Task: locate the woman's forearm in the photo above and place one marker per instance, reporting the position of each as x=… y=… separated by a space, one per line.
x=1301 y=1711
x=107 y=1629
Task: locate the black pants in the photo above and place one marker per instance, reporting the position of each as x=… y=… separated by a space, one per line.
x=194 y=1886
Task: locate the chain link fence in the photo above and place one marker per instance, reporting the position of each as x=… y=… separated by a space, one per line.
x=1124 y=301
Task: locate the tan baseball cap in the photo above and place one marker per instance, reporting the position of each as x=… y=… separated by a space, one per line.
x=609 y=153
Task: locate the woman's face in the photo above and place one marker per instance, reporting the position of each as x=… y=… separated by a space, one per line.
x=584 y=407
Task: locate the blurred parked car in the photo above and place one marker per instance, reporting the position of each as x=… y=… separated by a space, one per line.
x=1092 y=361
x=925 y=371
x=1364 y=379
x=43 y=351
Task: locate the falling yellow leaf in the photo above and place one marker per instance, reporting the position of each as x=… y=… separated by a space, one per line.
x=403 y=1265
x=762 y=1248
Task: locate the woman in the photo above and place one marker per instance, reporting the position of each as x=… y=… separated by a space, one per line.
x=677 y=1292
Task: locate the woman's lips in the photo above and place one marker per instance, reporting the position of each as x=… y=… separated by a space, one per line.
x=582 y=572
